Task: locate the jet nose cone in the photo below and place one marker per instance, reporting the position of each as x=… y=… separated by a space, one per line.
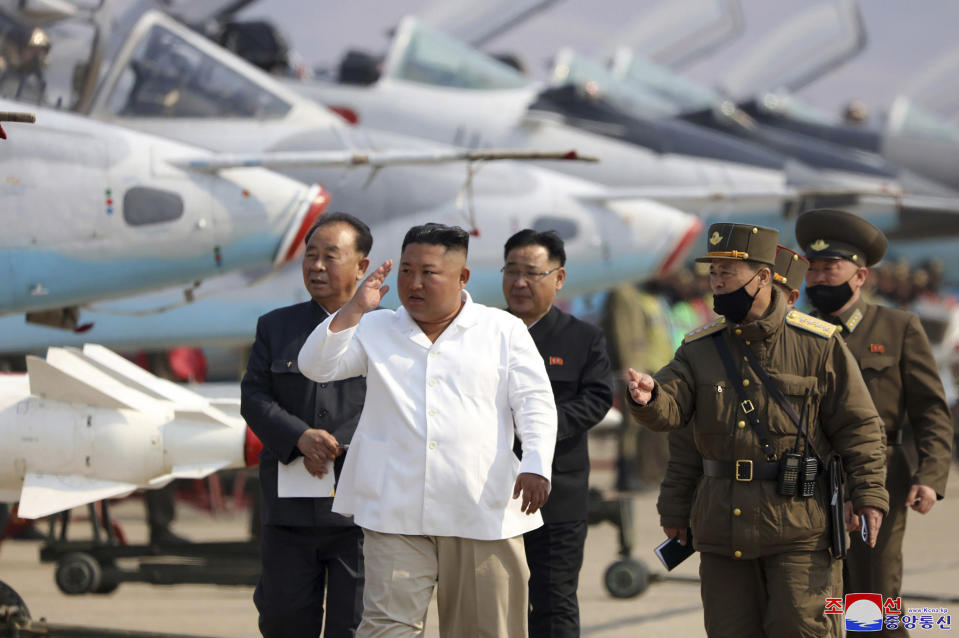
x=650 y=235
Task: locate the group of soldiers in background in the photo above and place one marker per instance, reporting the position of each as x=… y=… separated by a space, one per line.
x=645 y=323
x=738 y=396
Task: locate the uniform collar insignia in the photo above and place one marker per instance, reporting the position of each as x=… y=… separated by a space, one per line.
x=715 y=238
x=853 y=320
x=819 y=244
x=556 y=361
x=878 y=348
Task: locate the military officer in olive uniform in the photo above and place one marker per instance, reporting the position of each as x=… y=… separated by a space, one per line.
x=676 y=491
x=900 y=372
x=765 y=566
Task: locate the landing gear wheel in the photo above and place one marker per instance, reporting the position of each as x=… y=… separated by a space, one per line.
x=626 y=578
x=108 y=577
x=10 y=598
x=78 y=573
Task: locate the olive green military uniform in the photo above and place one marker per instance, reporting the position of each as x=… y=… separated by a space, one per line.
x=676 y=492
x=900 y=372
x=765 y=566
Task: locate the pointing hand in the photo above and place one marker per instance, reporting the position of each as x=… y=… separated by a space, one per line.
x=640 y=386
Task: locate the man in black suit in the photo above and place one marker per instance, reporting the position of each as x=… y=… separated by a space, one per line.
x=307 y=550
x=579 y=371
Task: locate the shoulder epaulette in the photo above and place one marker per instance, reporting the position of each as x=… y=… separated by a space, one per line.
x=809 y=323
x=703 y=331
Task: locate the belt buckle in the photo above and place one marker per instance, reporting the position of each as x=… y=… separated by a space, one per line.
x=747 y=406
x=744 y=470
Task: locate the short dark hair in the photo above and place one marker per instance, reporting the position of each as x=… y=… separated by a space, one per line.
x=364 y=238
x=452 y=237
x=548 y=239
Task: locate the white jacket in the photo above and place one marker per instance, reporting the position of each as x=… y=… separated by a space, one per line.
x=432 y=454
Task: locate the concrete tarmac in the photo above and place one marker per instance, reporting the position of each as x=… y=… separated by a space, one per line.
x=666 y=609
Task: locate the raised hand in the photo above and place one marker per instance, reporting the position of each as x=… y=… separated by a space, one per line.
x=367 y=297
x=370 y=293
x=640 y=386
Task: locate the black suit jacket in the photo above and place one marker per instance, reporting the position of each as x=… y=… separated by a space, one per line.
x=578 y=366
x=279 y=404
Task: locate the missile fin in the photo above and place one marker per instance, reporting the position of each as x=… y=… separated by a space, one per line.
x=53 y=383
x=136 y=377
x=45 y=494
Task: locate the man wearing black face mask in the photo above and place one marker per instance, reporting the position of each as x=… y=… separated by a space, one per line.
x=900 y=372
x=764 y=565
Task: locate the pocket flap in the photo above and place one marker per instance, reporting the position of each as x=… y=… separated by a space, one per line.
x=876 y=361
x=279 y=366
x=794 y=385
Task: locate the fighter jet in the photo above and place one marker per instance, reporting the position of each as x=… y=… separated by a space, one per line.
x=601 y=235
x=93 y=211
x=82 y=426
x=610 y=236
x=486 y=103
x=129 y=212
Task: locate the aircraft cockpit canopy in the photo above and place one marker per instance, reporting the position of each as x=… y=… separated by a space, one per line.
x=166 y=76
x=420 y=54
x=687 y=94
x=910 y=120
x=574 y=69
x=789 y=105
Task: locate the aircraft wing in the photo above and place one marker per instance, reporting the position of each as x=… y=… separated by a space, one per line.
x=279 y=160
x=11 y=116
x=45 y=494
x=716 y=194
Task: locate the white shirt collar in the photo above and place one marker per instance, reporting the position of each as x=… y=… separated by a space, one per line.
x=466 y=318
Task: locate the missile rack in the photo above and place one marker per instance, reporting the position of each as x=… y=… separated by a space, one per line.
x=94 y=566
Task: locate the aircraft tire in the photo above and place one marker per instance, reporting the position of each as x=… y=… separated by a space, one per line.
x=626 y=578
x=78 y=573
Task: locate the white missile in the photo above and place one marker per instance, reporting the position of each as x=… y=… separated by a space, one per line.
x=82 y=426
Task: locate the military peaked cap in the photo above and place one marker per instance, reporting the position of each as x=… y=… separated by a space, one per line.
x=742 y=242
x=791 y=268
x=836 y=234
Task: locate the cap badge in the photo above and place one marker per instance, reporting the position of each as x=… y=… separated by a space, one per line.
x=818 y=245
x=715 y=238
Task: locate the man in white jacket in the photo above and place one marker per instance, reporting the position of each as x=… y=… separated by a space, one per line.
x=431 y=476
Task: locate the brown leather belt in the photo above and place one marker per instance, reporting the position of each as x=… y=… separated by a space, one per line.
x=743 y=470
x=894 y=437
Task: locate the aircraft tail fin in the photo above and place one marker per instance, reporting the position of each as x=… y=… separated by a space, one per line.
x=45 y=494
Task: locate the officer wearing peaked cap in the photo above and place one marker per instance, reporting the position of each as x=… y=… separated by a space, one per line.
x=765 y=565
x=789 y=272
x=900 y=372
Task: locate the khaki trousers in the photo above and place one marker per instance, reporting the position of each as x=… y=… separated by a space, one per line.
x=482 y=586
x=779 y=596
